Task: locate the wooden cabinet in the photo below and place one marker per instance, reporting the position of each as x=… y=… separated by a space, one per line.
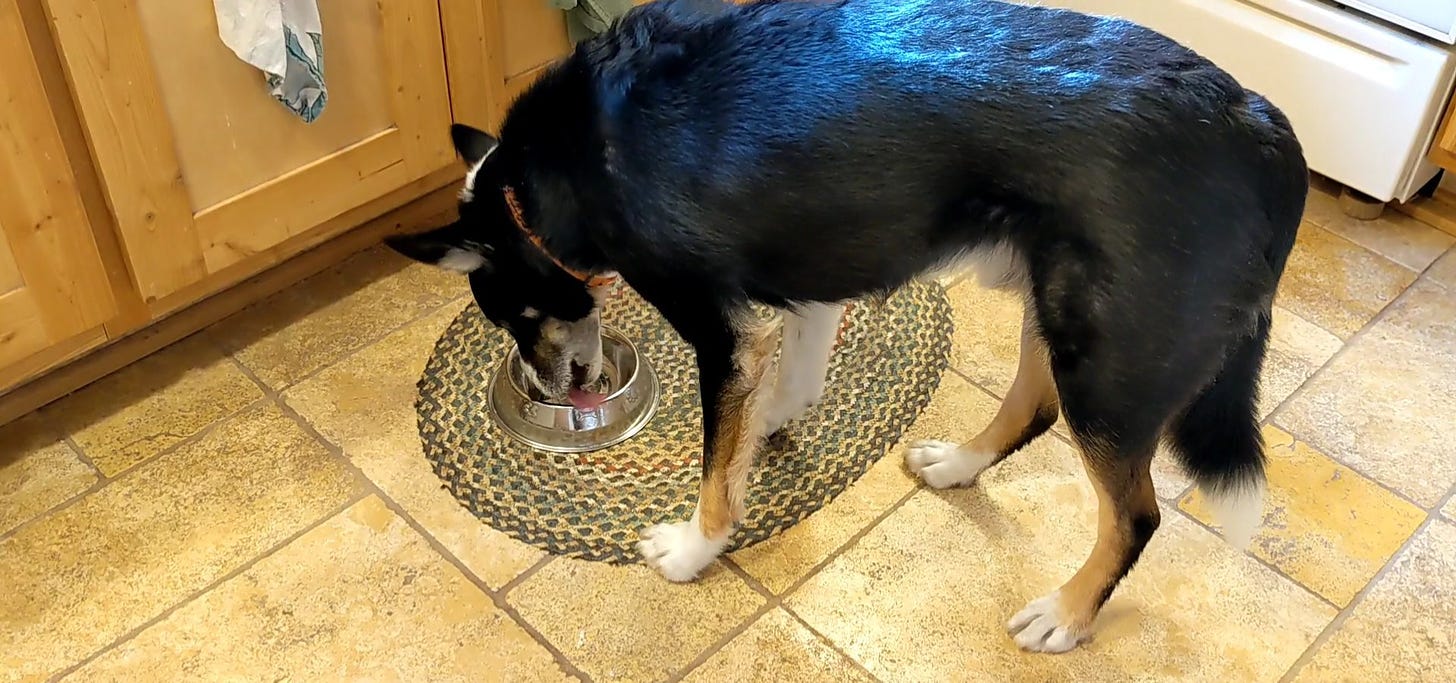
x=1443 y=147
x=144 y=168
x=204 y=171
x=54 y=293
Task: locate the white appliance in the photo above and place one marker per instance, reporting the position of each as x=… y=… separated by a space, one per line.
x=1364 y=94
x=1434 y=18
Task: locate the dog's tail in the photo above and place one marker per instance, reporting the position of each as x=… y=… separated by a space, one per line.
x=448 y=247
x=1218 y=441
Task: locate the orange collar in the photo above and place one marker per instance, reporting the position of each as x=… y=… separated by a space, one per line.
x=519 y=216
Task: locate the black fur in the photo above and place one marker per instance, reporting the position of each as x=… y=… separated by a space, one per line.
x=785 y=152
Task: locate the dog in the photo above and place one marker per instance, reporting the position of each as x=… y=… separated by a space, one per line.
x=800 y=154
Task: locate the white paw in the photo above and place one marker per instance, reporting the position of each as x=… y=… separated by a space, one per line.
x=679 y=551
x=780 y=414
x=1042 y=626
x=942 y=464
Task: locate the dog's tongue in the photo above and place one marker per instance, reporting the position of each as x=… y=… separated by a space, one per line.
x=585 y=400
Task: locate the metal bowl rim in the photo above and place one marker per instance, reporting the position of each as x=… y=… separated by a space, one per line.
x=633 y=429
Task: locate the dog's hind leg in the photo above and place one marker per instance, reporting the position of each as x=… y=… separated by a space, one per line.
x=1029 y=409
x=733 y=364
x=808 y=342
x=1127 y=516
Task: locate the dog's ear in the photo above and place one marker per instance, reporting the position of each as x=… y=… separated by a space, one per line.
x=446 y=247
x=472 y=144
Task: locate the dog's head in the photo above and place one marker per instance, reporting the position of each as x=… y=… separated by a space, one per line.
x=553 y=315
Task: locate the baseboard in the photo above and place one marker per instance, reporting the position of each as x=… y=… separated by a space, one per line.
x=119 y=353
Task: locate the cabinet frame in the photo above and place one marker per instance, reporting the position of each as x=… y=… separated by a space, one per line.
x=171 y=247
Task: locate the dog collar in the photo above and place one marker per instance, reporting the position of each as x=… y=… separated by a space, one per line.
x=518 y=215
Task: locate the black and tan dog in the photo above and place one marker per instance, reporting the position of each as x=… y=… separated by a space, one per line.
x=803 y=154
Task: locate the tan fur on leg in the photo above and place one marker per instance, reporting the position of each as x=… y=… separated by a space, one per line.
x=1124 y=496
x=1029 y=410
x=1127 y=515
x=740 y=431
x=1030 y=407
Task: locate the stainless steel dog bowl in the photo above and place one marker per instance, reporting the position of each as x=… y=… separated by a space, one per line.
x=631 y=388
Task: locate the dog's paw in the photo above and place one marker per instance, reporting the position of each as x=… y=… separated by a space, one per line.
x=678 y=551
x=1044 y=626
x=942 y=465
x=777 y=417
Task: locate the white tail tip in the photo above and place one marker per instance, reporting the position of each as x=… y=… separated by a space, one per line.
x=1239 y=509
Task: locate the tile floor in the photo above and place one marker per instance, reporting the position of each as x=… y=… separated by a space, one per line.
x=252 y=504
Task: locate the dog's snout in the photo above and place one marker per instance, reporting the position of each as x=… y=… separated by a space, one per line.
x=581 y=374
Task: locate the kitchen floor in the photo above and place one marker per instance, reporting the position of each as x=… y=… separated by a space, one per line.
x=253 y=504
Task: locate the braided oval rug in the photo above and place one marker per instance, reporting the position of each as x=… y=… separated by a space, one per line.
x=888 y=362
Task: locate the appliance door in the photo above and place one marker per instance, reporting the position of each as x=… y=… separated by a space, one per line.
x=1365 y=99
x=1435 y=18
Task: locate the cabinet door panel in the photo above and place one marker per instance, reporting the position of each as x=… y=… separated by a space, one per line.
x=218 y=106
x=52 y=285
x=204 y=170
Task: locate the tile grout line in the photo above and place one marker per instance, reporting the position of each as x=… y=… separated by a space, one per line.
x=103 y=482
x=718 y=645
x=1379 y=316
x=832 y=645
x=1338 y=622
x=372 y=488
x=214 y=584
x=57 y=508
x=525 y=574
x=352 y=353
x=1303 y=388
x=773 y=600
x=1277 y=571
x=1432 y=516
x=1418 y=271
x=742 y=573
x=853 y=540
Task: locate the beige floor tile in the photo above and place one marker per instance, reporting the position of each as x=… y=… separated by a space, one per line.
x=333 y=314
x=84 y=576
x=1297 y=349
x=1450 y=509
x=366 y=405
x=361 y=597
x=1404 y=629
x=153 y=404
x=1394 y=235
x=1444 y=269
x=1325 y=525
x=987 y=338
x=626 y=623
x=956 y=412
x=777 y=649
x=1337 y=284
x=1384 y=406
x=926 y=594
x=38 y=471
x=782 y=560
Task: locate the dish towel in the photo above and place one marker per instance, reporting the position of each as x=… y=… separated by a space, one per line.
x=283 y=38
x=586 y=18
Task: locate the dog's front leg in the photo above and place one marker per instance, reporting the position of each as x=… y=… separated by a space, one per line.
x=733 y=362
